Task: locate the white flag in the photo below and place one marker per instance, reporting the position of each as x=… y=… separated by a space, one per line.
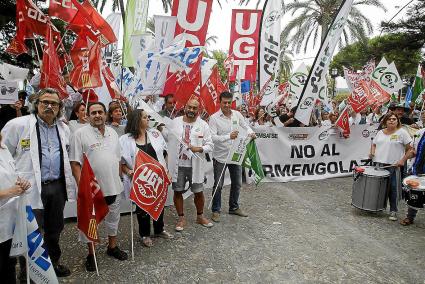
x=321 y=64
x=28 y=239
x=296 y=83
x=13 y=73
x=390 y=80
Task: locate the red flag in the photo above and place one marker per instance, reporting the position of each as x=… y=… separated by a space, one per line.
x=89 y=20
x=63 y=9
x=91 y=205
x=377 y=95
x=51 y=75
x=343 y=122
x=189 y=86
x=150 y=185
x=86 y=71
x=109 y=81
x=210 y=92
x=30 y=20
x=358 y=99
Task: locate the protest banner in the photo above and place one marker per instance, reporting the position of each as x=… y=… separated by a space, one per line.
x=311 y=153
x=244 y=43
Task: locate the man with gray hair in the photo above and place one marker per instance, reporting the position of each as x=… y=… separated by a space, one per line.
x=38 y=142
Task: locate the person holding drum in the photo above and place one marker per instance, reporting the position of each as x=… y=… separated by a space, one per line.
x=418 y=168
x=391 y=149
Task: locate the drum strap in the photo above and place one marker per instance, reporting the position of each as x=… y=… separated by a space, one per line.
x=418 y=166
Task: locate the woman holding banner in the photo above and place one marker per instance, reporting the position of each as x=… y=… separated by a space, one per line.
x=11 y=186
x=139 y=138
x=391 y=149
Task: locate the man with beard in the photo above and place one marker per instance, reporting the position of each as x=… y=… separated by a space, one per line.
x=38 y=143
x=101 y=145
x=189 y=139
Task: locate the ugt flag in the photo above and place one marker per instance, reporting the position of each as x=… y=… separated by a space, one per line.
x=91 y=205
x=252 y=161
x=27 y=239
x=150 y=185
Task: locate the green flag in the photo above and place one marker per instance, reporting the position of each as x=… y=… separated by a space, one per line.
x=135 y=24
x=252 y=161
x=418 y=86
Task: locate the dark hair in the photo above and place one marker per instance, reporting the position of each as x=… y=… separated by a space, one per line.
x=95 y=103
x=75 y=110
x=112 y=108
x=226 y=95
x=167 y=97
x=387 y=116
x=22 y=94
x=257 y=111
x=133 y=123
x=47 y=91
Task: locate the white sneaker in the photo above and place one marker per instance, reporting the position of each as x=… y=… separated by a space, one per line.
x=393 y=216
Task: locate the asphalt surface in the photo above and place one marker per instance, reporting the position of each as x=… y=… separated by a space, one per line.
x=299 y=232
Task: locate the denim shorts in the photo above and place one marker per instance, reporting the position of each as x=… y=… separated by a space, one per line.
x=185 y=175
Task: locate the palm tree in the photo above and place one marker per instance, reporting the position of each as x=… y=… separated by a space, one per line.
x=315 y=17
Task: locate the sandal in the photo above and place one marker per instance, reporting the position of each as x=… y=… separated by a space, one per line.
x=204 y=222
x=180 y=225
x=147 y=242
x=406 y=222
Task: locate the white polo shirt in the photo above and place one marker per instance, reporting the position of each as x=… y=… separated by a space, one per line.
x=221 y=126
x=103 y=153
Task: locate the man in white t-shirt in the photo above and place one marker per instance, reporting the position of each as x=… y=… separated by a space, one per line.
x=101 y=145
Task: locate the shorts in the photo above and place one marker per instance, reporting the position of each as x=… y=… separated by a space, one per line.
x=185 y=175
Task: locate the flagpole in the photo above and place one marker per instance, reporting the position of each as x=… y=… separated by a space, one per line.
x=95 y=260
x=221 y=175
x=36 y=51
x=132 y=226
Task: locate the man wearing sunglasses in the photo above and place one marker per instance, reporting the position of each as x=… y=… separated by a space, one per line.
x=38 y=142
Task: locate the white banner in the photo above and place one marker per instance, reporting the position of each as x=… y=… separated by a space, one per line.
x=156 y=74
x=269 y=53
x=311 y=153
x=8 y=92
x=390 y=80
x=321 y=64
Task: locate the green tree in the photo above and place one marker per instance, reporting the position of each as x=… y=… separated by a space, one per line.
x=220 y=56
x=390 y=46
x=315 y=16
x=412 y=26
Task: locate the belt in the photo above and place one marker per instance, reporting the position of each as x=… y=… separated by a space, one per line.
x=50 y=181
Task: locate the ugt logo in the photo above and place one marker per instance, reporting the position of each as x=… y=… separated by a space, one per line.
x=149 y=183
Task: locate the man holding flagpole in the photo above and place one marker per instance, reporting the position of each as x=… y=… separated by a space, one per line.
x=101 y=145
x=225 y=125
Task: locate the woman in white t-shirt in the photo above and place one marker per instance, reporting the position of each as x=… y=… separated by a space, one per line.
x=391 y=147
x=11 y=186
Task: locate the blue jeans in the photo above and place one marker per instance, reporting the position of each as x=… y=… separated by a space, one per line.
x=393 y=193
x=235 y=172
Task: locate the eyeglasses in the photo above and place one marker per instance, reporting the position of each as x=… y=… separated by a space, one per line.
x=51 y=103
x=392 y=118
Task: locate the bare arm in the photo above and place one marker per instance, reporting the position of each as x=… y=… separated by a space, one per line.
x=76 y=171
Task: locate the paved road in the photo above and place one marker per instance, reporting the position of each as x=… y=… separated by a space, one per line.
x=300 y=232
